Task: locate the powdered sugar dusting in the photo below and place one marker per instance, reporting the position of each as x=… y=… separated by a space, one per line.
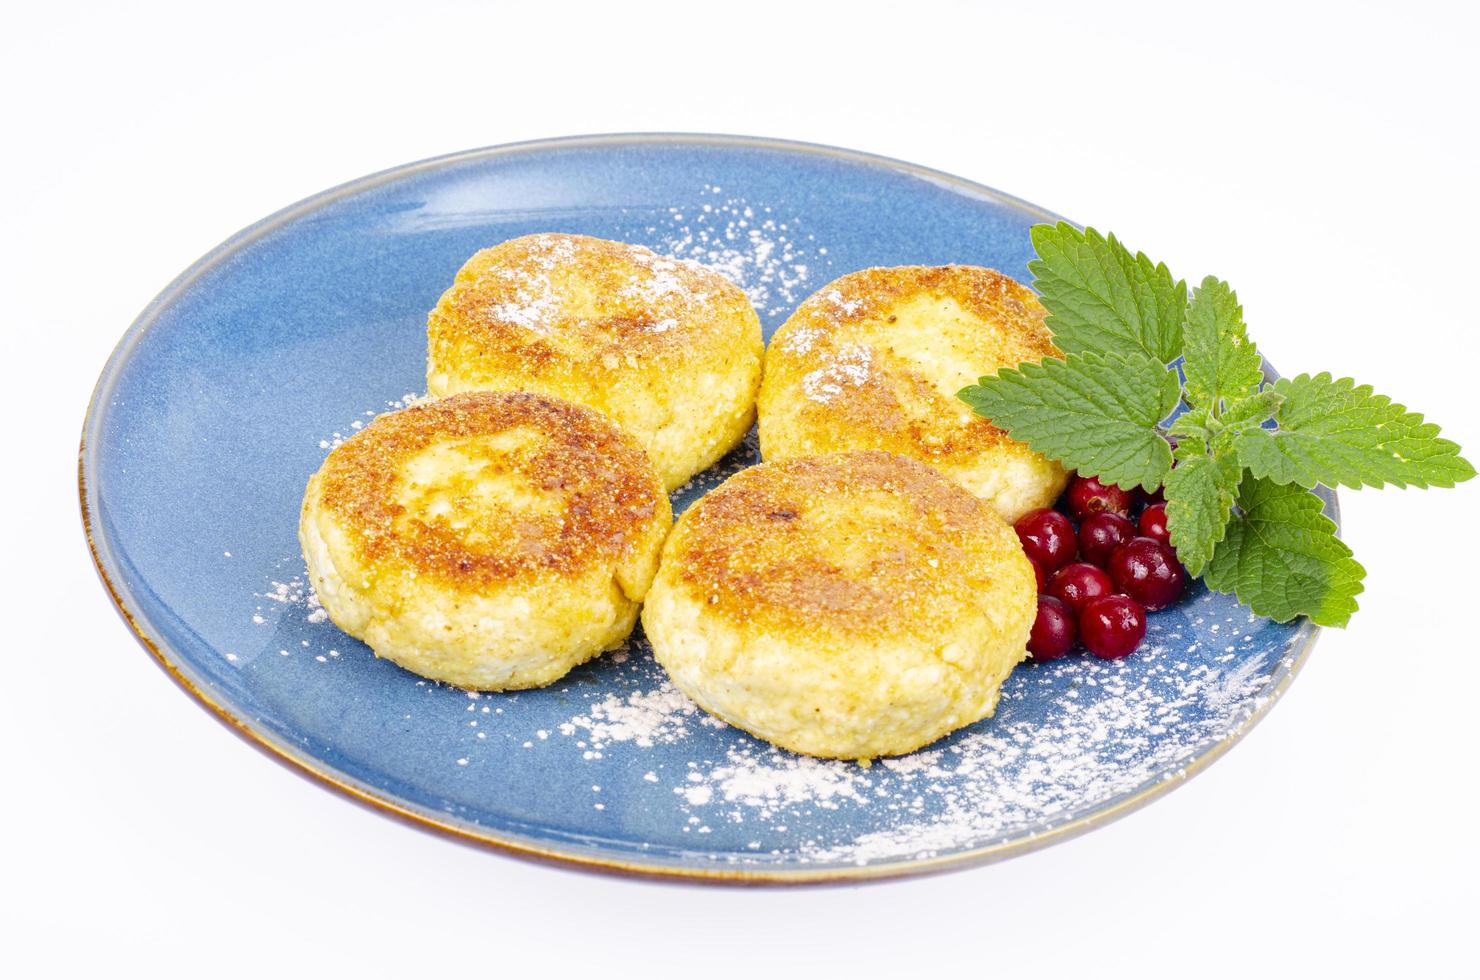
x=768 y=779
x=773 y=258
x=644 y=718
x=846 y=305
x=1107 y=736
x=660 y=284
x=534 y=303
x=800 y=339
x=296 y=593
x=1069 y=738
x=529 y=312
x=851 y=366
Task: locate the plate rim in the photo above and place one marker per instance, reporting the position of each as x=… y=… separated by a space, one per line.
x=317 y=770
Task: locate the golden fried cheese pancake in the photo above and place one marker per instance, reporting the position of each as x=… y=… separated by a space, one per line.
x=669 y=349
x=489 y=540
x=849 y=605
x=874 y=361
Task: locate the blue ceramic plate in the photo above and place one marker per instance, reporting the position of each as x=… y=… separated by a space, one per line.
x=231 y=387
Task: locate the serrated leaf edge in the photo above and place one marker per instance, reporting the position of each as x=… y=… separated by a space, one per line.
x=1041 y=269
x=1329 y=526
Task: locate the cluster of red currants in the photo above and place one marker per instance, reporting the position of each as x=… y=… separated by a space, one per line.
x=1097 y=584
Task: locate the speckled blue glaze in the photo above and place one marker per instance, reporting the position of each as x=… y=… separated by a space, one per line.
x=225 y=395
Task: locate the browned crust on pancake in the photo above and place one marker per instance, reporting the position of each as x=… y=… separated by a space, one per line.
x=893 y=407
x=876 y=414
x=604 y=489
x=766 y=546
x=985 y=292
x=552 y=305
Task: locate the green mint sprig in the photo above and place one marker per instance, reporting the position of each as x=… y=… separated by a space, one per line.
x=1240 y=507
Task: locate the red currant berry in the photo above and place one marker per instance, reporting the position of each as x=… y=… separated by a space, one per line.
x=1153 y=523
x=1101 y=534
x=1148 y=572
x=1054 y=631
x=1112 y=626
x=1048 y=538
x=1088 y=495
x=1040 y=577
x=1079 y=583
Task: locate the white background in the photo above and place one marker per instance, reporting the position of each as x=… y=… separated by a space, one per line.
x=1323 y=160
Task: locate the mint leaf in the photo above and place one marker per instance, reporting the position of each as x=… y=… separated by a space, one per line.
x=1282 y=558
x=1199 y=496
x=1199 y=431
x=1220 y=362
x=1253 y=410
x=1237 y=508
x=1101 y=298
x=1097 y=413
x=1193 y=431
x=1337 y=432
